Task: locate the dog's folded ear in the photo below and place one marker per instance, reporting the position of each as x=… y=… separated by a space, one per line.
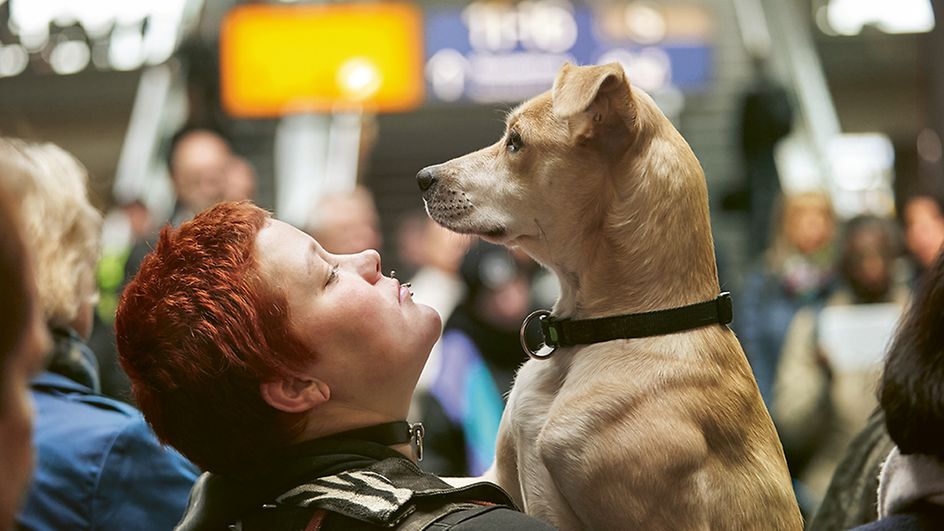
x=595 y=100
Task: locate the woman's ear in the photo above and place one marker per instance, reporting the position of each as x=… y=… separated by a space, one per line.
x=295 y=395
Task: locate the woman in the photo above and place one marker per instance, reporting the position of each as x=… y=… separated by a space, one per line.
x=99 y=465
x=797 y=271
x=285 y=372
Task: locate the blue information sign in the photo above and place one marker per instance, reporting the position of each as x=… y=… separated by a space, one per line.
x=492 y=52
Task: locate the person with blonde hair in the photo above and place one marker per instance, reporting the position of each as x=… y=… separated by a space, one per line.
x=796 y=271
x=99 y=464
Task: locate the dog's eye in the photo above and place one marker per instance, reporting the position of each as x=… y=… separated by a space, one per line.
x=514 y=143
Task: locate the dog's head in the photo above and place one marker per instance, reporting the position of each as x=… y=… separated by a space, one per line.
x=576 y=164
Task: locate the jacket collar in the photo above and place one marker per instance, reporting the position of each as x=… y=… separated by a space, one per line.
x=317 y=474
x=72 y=359
x=51 y=380
x=217 y=500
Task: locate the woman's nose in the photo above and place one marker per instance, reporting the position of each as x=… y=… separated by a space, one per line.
x=368 y=265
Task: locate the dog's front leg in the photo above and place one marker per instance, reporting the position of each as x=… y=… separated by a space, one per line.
x=505 y=468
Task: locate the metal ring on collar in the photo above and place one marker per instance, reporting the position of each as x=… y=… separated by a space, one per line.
x=545 y=351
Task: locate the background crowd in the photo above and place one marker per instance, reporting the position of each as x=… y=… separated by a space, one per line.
x=834 y=309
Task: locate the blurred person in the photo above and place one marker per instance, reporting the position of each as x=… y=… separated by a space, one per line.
x=911 y=482
x=766 y=117
x=830 y=366
x=923 y=217
x=124 y=227
x=481 y=351
x=286 y=372
x=24 y=342
x=796 y=271
x=99 y=466
x=433 y=255
x=199 y=160
x=347 y=222
x=852 y=497
x=240 y=180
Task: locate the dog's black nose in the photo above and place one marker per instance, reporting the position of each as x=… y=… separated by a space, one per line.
x=425 y=179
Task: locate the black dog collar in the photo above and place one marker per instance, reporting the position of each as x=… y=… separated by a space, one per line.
x=568 y=332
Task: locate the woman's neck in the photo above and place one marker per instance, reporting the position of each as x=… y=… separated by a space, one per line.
x=330 y=419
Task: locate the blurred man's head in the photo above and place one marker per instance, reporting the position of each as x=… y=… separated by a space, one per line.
x=346 y=223
x=240 y=183
x=923 y=216
x=199 y=159
x=868 y=256
x=139 y=218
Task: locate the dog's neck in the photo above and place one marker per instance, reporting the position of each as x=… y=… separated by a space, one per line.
x=656 y=247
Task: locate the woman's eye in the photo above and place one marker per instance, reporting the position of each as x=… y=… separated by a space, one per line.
x=514 y=143
x=332 y=275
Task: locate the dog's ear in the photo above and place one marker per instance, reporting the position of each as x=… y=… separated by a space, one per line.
x=595 y=100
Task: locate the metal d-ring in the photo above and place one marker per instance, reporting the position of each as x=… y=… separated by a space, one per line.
x=545 y=351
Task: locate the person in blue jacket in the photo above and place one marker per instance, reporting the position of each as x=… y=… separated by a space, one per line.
x=98 y=464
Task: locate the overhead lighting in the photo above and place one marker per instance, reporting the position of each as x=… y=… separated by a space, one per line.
x=849 y=17
x=13 y=59
x=70 y=57
x=123 y=34
x=126 y=51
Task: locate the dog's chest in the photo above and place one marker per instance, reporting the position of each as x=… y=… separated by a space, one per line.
x=536 y=385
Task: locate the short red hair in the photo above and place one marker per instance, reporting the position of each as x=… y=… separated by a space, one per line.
x=197 y=333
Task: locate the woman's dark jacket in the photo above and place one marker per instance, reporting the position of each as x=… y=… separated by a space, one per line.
x=347 y=484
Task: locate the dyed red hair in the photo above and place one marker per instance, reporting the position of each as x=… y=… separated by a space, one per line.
x=197 y=333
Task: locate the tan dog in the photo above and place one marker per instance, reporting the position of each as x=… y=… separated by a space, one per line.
x=664 y=432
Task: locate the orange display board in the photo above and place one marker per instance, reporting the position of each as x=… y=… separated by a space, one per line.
x=283 y=59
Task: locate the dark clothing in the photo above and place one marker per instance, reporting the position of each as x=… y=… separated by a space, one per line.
x=354 y=485
x=463 y=406
x=922 y=516
x=766 y=307
x=766 y=118
x=99 y=465
x=853 y=492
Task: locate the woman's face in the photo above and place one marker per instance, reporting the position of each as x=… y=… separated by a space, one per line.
x=369 y=339
x=809 y=226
